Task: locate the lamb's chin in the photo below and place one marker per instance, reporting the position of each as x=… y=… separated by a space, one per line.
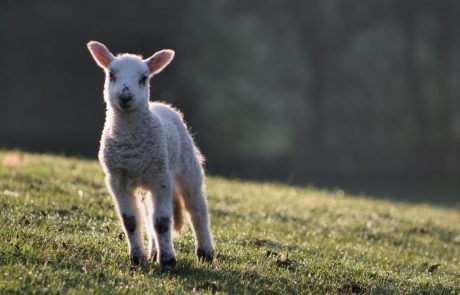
x=122 y=109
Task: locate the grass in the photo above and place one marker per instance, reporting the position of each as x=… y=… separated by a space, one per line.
x=59 y=234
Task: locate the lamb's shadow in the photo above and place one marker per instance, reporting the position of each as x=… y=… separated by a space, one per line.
x=229 y=281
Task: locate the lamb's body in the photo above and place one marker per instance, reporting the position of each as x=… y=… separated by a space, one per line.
x=147 y=146
x=148 y=143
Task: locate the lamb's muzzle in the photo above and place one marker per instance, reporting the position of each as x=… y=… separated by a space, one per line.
x=125 y=98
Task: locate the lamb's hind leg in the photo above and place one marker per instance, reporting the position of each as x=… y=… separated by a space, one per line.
x=196 y=205
x=130 y=216
x=148 y=211
x=162 y=220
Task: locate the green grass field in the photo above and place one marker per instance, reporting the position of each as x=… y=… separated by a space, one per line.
x=59 y=234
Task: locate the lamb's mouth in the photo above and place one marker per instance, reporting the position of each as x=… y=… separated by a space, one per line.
x=125 y=106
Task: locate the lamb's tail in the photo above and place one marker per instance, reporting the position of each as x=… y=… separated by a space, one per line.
x=178 y=211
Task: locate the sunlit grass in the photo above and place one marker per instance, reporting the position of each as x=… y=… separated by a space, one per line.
x=59 y=233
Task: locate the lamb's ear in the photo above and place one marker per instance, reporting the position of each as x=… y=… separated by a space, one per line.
x=100 y=53
x=159 y=61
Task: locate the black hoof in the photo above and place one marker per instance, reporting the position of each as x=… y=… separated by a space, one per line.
x=168 y=265
x=135 y=260
x=142 y=267
x=138 y=261
x=205 y=255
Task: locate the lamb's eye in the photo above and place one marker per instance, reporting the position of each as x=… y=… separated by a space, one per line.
x=112 y=76
x=142 y=80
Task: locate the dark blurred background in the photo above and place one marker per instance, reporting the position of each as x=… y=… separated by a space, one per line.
x=362 y=95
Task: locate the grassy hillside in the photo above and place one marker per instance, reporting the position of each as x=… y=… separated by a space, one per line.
x=59 y=233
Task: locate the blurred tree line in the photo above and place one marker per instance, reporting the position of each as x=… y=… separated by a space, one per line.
x=291 y=90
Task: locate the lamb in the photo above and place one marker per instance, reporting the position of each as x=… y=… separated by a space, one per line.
x=152 y=167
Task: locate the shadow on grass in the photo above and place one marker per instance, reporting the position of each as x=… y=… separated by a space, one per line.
x=206 y=277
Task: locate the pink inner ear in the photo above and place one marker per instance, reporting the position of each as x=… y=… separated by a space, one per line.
x=160 y=60
x=100 y=54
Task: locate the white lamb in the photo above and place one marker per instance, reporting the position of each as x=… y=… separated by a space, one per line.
x=151 y=163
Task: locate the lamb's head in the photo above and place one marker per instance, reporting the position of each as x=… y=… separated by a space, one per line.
x=127 y=76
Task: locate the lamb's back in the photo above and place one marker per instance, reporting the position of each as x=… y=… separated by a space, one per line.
x=178 y=138
x=167 y=113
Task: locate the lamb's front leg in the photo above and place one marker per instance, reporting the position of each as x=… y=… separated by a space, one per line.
x=130 y=216
x=162 y=217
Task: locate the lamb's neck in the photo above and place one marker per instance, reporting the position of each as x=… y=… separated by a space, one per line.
x=127 y=121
